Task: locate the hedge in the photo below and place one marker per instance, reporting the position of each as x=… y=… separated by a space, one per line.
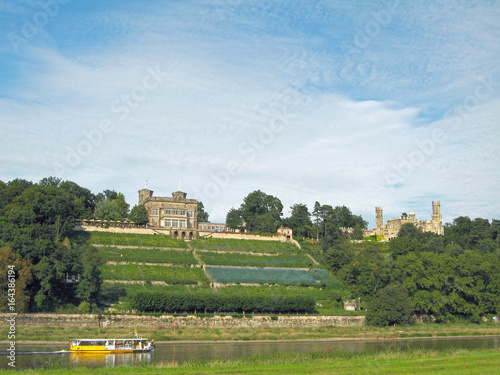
x=171 y=302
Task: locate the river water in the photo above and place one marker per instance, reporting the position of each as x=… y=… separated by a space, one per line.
x=43 y=355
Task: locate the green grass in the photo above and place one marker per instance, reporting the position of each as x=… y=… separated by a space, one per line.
x=252 y=260
x=256 y=246
x=170 y=275
x=177 y=257
x=132 y=239
x=129 y=289
x=456 y=361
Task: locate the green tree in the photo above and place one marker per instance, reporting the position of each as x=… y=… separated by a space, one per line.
x=139 y=215
x=50 y=181
x=89 y=286
x=369 y=271
x=391 y=305
x=329 y=220
x=340 y=254
x=234 y=219
x=112 y=208
x=300 y=220
x=404 y=245
x=202 y=214
x=261 y=212
x=23 y=278
x=458 y=232
x=480 y=230
x=495 y=230
x=34 y=220
x=357 y=233
x=317 y=212
x=82 y=199
x=409 y=230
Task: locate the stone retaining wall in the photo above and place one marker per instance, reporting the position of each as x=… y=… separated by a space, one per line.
x=89 y=228
x=164 y=321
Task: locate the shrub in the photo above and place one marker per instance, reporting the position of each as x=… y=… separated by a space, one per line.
x=84 y=307
x=390 y=305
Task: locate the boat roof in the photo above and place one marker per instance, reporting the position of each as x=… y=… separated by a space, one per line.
x=106 y=339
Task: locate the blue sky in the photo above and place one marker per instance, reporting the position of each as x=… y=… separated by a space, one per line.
x=360 y=103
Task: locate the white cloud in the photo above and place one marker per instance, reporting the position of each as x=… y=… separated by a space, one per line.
x=265 y=88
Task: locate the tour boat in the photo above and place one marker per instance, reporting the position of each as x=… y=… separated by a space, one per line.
x=137 y=345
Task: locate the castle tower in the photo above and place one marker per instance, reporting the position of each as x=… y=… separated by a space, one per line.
x=437 y=218
x=144 y=194
x=436 y=210
x=179 y=195
x=380 y=220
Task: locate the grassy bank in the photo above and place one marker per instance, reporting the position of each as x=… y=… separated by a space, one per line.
x=250 y=334
x=486 y=361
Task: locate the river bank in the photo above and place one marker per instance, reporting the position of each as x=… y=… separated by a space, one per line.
x=474 y=361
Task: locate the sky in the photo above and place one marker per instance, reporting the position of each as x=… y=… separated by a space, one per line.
x=360 y=103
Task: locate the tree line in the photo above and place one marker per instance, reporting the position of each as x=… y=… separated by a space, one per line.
x=261 y=212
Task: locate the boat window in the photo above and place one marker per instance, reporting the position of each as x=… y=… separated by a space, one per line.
x=92 y=342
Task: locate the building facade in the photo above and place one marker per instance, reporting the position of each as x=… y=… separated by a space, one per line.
x=175 y=215
x=391 y=229
x=286 y=232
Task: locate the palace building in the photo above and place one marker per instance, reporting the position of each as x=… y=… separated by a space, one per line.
x=175 y=215
x=391 y=229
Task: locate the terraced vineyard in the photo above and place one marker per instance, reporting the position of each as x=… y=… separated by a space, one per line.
x=141 y=255
x=244 y=275
x=170 y=275
x=263 y=260
x=132 y=239
x=157 y=263
x=254 y=246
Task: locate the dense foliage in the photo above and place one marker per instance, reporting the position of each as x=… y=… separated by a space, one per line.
x=391 y=305
x=35 y=221
x=259 y=211
x=456 y=275
x=330 y=221
x=211 y=302
x=201 y=214
x=111 y=206
x=139 y=215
